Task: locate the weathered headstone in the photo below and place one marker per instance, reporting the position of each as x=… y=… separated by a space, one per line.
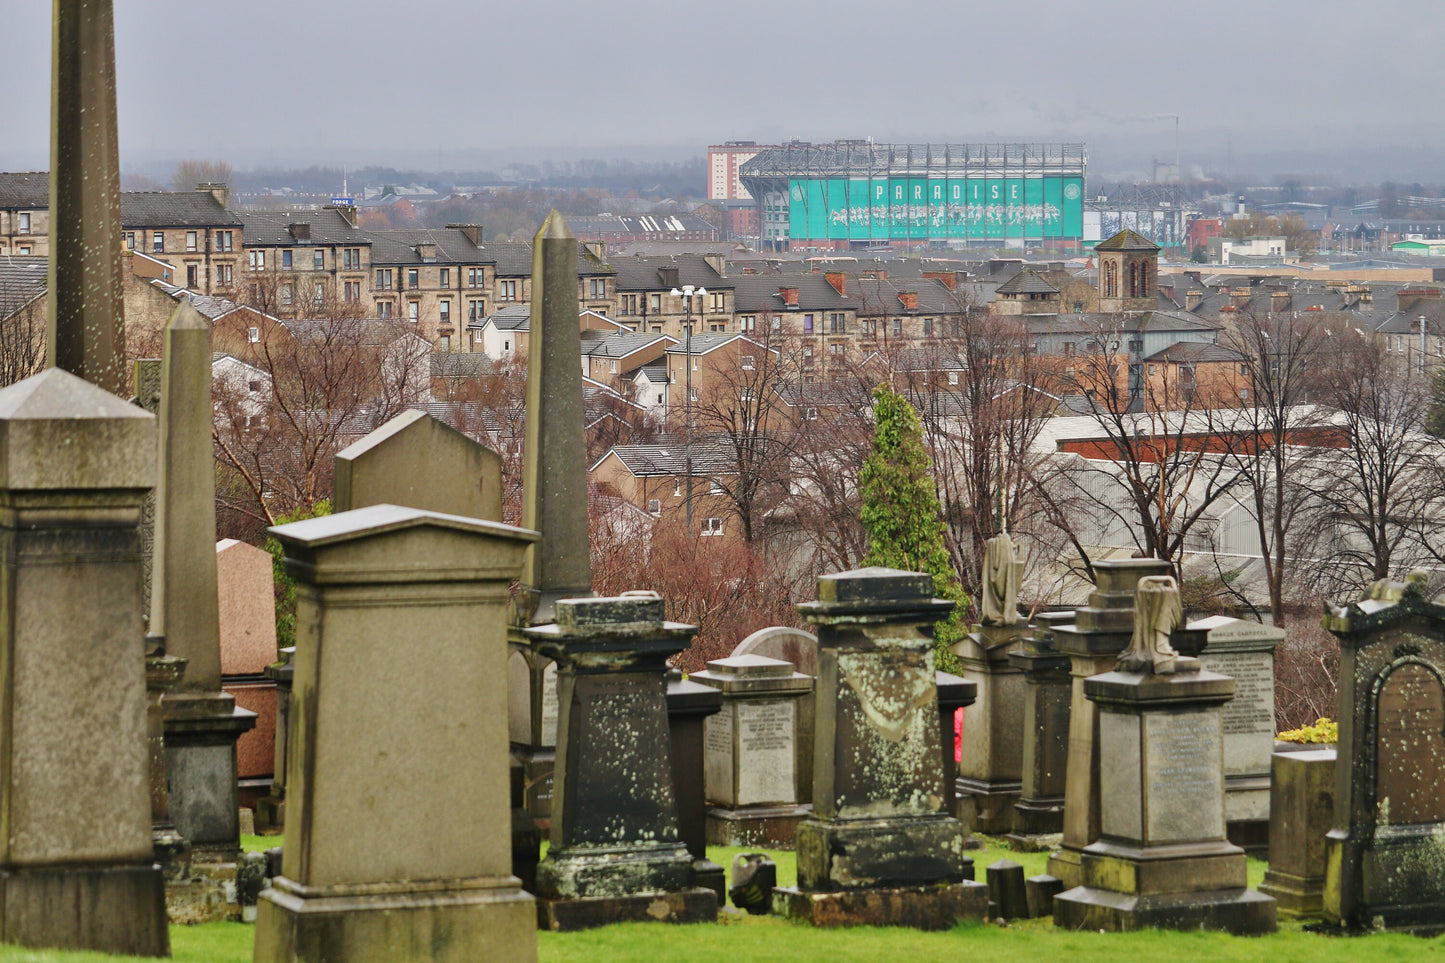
x=1301 y=811
x=615 y=851
x=1244 y=651
x=879 y=847
x=689 y=706
x=800 y=648
x=202 y=722
x=421 y=462
x=554 y=502
x=77 y=868
x=991 y=766
x=1385 y=856
x=398 y=845
x=1162 y=859
x=1006 y=890
x=752 y=751
x=1101 y=630
x=246 y=603
x=1039 y=813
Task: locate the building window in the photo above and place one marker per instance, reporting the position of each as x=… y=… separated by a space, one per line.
x=749 y=362
x=444 y=277
x=24 y=222
x=253 y=334
x=353 y=291
x=508 y=290
x=476 y=310
x=836 y=350
x=286 y=258
x=257 y=260
x=413 y=279
x=692 y=394
x=383 y=309
x=318 y=260
x=715 y=487
x=777 y=325
x=719 y=300
x=476 y=277
x=928 y=327
x=712 y=526
x=223 y=275
x=225 y=240
x=383 y=279
x=25 y=249
x=158 y=242
x=351 y=258
x=444 y=312
x=718 y=328
x=413 y=310
x=597 y=288
x=654 y=506
x=747 y=322
x=810 y=414
x=288 y=294
x=837 y=323
x=629 y=304
x=192 y=275
x=953 y=377
x=654 y=303
x=318 y=293
x=190 y=240
x=130 y=240
x=506 y=346
x=807 y=324
x=897 y=326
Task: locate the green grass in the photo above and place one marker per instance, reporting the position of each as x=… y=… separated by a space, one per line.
x=767 y=938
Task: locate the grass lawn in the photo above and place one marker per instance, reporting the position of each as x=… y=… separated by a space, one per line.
x=765 y=938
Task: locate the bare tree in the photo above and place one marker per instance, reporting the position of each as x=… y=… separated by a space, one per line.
x=22 y=332
x=189 y=173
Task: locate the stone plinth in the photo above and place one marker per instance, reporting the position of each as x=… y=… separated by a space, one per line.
x=689 y=706
x=751 y=751
x=1301 y=809
x=398 y=836
x=1101 y=630
x=1039 y=813
x=271 y=808
x=1384 y=858
x=614 y=840
x=1162 y=859
x=1244 y=651
x=990 y=771
x=879 y=840
x=77 y=869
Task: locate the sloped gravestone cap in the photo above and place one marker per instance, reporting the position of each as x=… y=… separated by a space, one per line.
x=1384 y=603
x=876 y=589
x=630 y=611
x=58 y=431
x=751 y=667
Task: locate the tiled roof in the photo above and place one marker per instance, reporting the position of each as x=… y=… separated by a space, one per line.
x=174 y=209
x=877 y=298
x=27 y=189
x=1127 y=240
x=1195 y=352
x=619 y=344
x=703 y=343
x=1026 y=282
x=460 y=365
x=208 y=305
x=22 y=279
x=513 y=259
x=273 y=228
x=671 y=459
x=452 y=247
x=761 y=292
x=644 y=273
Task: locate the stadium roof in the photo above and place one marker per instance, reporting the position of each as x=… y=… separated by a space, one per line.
x=861 y=157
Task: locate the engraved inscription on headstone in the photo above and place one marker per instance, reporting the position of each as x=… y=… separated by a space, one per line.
x=765 y=745
x=1252 y=708
x=1184 y=772
x=1410 y=747
x=718 y=753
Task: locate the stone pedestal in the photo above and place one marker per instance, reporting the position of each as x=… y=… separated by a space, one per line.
x=271 y=808
x=171 y=849
x=990 y=770
x=615 y=851
x=1301 y=809
x=398 y=841
x=954 y=693
x=1162 y=859
x=879 y=848
x=532 y=723
x=1039 y=813
x=77 y=864
x=1101 y=630
x=1244 y=651
x=689 y=706
x=751 y=751
x=1384 y=858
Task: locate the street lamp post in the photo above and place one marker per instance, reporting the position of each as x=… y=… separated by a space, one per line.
x=686 y=293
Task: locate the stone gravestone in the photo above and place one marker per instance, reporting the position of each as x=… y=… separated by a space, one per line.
x=247 y=605
x=1385 y=860
x=1039 y=813
x=202 y=722
x=801 y=649
x=990 y=769
x=398 y=842
x=879 y=848
x=1101 y=630
x=752 y=751
x=1301 y=811
x=76 y=863
x=1244 y=651
x=615 y=852
x=1162 y=859
x=421 y=462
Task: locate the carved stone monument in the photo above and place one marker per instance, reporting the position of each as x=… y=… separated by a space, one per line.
x=1385 y=858
x=689 y=706
x=398 y=841
x=1101 y=630
x=801 y=649
x=77 y=869
x=990 y=771
x=752 y=751
x=1301 y=811
x=615 y=852
x=1039 y=813
x=418 y=461
x=879 y=848
x=1162 y=859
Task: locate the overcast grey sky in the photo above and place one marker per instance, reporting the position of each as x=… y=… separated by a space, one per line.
x=467 y=82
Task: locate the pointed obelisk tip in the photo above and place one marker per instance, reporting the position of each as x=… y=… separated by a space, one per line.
x=186 y=318
x=554 y=227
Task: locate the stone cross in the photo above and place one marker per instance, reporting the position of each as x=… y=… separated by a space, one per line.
x=77 y=869
x=86 y=322
x=202 y=721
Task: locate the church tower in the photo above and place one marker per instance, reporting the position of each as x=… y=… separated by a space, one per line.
x=1128 y=273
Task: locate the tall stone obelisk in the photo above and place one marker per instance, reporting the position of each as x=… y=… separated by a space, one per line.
x=85 y=328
